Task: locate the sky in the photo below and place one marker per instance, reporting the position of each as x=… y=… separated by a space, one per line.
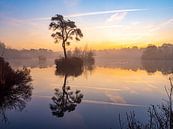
x=105 y=23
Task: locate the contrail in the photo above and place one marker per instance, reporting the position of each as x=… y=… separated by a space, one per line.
x=104 y=12
x=92 y=13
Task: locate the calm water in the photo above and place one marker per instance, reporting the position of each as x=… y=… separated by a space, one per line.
x=108 y=89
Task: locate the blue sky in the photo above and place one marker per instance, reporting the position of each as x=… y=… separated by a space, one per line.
x=45 y=8
x=30 y=19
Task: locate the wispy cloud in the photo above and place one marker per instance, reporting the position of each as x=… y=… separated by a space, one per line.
x=121 y=13
x=117 y=17
x=103 y=27
x=71 y=3
x=117 y=12
x=104 y=12
x=163 y=24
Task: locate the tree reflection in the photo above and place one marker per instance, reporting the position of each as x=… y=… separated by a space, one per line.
x=15 y=88
x=151 y=66
x=65 y=100
x=77 y=71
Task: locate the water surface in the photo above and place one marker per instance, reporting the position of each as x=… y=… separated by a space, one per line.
x=107 y=90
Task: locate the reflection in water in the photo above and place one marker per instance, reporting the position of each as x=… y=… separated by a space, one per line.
x=43 y=63
x=164 y=66
x=151 y=66
x=116 y=86
x=130 y=64
x=65 y=100
x=70 y=72
x=32 y=63
x=15 y=88
x=76 y=71
x=107 y=92
x=160 y=116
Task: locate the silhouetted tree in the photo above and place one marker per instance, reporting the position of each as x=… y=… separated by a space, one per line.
x=2 y=48
x=64 y=31
x=15 y=88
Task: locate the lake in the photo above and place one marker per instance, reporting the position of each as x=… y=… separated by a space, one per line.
x=109 y=88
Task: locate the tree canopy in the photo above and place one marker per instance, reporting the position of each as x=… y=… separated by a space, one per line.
x=64 y=31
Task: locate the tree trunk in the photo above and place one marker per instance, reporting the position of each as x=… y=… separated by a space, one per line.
x=64 y=49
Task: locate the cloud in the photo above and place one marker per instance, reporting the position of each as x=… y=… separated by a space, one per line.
x=115 y=12
x=163 y=24
x=104 y=12
x=103 y=27
x=117 y=17
x=71 y=3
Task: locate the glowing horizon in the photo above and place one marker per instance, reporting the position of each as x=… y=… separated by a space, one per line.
x=113 y=24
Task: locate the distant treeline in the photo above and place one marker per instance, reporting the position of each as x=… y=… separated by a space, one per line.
x=9 y=53
x=123 y=53
x=152 y=52
x=164 y=52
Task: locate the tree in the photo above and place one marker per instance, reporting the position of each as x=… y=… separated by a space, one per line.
x=2 y=48
x=64 y=31
x=15 y=88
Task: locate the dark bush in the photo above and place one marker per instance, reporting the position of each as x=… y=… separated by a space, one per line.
x=86 y=55
x=71 y=66
x=10 y=77
x=15 y=88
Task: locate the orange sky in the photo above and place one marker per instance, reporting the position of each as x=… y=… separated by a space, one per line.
x=103 y=27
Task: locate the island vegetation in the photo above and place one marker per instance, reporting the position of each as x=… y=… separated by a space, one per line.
x=65 y=31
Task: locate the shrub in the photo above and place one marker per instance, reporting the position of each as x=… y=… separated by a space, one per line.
x=71 y=66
